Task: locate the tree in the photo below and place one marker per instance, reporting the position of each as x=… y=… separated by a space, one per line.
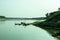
x=2 y=16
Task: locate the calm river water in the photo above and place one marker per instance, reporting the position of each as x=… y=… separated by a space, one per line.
x=9 y=31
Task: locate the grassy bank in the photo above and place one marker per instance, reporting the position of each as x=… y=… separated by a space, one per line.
x=51 y=24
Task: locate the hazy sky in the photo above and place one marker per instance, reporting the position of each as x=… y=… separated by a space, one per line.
x=28 y=8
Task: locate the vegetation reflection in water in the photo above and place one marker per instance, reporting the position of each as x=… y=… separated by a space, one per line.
x=51 y=24
x=9 y=31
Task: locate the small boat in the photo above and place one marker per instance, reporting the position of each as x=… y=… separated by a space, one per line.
x=17 y=24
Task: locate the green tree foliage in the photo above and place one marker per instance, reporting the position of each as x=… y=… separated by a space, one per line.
x=2 y=16
x=51 y=24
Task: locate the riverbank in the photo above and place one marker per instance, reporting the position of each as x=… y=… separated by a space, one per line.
x=2 y=19
x=51 y=24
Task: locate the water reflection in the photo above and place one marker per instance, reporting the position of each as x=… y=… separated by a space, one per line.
x=8 y=31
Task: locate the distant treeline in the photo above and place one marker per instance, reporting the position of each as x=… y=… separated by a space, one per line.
x=2 y=17
x=37 y=18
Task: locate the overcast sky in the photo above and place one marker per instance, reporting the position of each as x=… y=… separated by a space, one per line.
x=28 y=8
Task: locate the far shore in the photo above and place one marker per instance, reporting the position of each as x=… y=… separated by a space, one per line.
x=6 y=18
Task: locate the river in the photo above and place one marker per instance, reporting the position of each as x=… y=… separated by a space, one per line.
x=10 y=31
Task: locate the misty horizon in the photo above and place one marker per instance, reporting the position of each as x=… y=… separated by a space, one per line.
x=27 y=8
